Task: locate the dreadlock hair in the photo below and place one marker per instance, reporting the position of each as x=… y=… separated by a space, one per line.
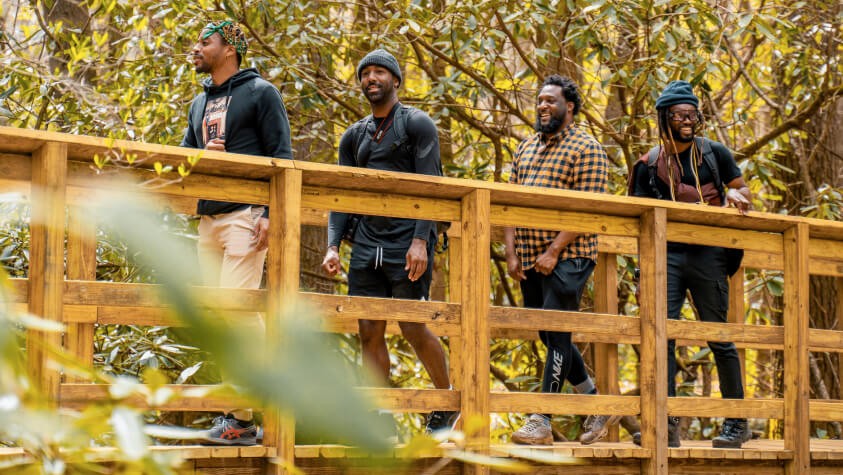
x=569 y=89
x=664 y=121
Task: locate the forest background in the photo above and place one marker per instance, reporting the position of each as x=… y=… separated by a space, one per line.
x=768 y=73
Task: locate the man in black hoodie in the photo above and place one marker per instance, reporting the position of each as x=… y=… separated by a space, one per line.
x=391 y=257
x=238 y=112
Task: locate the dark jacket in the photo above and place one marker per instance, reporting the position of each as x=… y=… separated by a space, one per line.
x=255 y=124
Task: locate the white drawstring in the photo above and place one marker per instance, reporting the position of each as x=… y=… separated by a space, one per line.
x=378 y=257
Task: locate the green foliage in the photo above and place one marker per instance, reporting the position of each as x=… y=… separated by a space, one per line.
x=14 y=236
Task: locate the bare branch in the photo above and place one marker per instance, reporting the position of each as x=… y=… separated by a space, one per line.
x=792 y=123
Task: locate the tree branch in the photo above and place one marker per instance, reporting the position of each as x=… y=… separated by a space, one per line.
x=512 y=109
x=742 y=71
x=518 y=48
x=451 y=105
x=727 y=88
x=792 y=123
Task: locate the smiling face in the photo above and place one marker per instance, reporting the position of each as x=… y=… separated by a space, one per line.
x=553 y=112
x=210 y=53
x=682 y=121
x=378 y=84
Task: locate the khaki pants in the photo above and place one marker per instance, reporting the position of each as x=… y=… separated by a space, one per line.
x=227 y=255
x=227 y=258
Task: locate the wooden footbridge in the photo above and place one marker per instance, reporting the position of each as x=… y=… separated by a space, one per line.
x=58 y=169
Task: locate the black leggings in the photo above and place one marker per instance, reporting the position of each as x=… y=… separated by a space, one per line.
x=561 y=290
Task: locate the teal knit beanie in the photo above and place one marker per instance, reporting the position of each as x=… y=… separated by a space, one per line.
x=677 y=92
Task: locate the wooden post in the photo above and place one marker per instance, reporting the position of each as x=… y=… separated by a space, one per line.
x=737 y=313
x=46 y=258
x=652 y=373
x=81 y=265
x=606 y=354
x=839 y=327
x=282 y=278
x=796 y=371
x=474 y=320
x=455 y=362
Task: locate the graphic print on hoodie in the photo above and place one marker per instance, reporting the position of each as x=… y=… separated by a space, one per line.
x=214 y=121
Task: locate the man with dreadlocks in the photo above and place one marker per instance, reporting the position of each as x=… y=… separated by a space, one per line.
x=694 y=169
x=238 y=112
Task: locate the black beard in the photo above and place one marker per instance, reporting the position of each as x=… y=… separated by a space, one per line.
x=677 y=137
x=382 y=96
x=552 y=125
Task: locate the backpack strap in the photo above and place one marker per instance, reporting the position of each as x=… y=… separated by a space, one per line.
x=710 y=159
x=399 y=125
x=360 y=142
x=652 y=170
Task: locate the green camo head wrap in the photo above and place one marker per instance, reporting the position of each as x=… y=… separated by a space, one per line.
x=230 y=32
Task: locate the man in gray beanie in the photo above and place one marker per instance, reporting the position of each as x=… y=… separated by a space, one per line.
x=691 y=169
x=380 y=57
x=390 y=257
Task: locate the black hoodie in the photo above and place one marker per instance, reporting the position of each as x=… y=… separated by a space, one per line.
x=255 y=123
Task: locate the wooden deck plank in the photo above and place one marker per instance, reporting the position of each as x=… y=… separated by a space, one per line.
x=755 y=450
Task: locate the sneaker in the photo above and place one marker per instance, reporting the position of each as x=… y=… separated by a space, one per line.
x=596 y=427
x=536 y=431
x=732 y=435
x=672 y=433
x=228 y=431
x=441 y=420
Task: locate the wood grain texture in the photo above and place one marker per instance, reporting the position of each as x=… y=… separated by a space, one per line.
x=606 y=354
x=653 y=319
x=474 y=319
x=81 y=265
x=46 y=259
x=796 y=371
x=282 y=277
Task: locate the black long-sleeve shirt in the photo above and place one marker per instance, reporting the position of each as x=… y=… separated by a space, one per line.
x=418 y=152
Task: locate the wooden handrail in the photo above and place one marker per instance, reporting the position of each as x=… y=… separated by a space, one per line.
x=57 y=169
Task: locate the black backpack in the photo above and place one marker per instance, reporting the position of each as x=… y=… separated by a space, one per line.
x=362 y=144
x=734 y=257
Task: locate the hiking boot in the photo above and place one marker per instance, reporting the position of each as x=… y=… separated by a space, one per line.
x=536 y=431
x=228 y=431
x=441 y=420
x=732 y=435
x=596 y=427
x=672 y=433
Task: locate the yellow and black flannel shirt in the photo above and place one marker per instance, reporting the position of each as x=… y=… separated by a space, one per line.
x=570 y=160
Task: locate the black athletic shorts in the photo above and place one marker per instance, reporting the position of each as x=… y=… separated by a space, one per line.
x=379 y=272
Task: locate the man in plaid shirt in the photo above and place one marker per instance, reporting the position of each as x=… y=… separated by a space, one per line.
x=552 y=266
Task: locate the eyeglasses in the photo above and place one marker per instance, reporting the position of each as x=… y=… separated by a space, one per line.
x=682 y=116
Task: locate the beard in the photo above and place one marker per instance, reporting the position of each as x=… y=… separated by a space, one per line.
x=678 y=137
x=200 y=65
x=380 y=95
x=552 y=125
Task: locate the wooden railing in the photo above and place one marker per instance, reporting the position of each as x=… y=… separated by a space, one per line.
x=58 y=169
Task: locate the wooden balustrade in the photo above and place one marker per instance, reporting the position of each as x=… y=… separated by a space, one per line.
x=57 y=170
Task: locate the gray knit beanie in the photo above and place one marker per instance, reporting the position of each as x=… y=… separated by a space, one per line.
x=380 y=57
x=677 y=92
